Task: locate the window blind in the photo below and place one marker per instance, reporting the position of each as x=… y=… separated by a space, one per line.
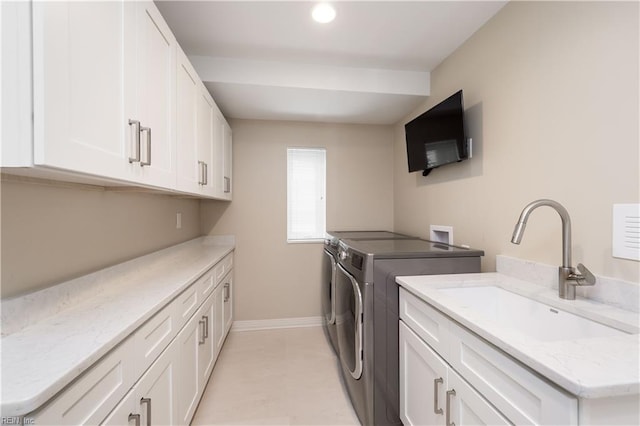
x=306 y=193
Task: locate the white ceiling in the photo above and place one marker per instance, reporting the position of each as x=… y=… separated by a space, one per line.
x=270 y=60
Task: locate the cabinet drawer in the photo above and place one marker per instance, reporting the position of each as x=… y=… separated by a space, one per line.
x=425 y=321
x=523 y=396
x=223 y=267
x=186 y=304
x=207 y=283
x=90 y=398
x=154 y=336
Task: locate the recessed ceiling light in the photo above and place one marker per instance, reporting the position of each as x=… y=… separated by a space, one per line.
x=323 y=13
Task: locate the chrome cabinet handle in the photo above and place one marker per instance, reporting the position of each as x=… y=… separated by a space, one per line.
x=135 y=141
x=227 y=291
x=206 y=326
x=435 y=395
x=135 y=417
x=201 y=173
x=227 y=185
x=450 y=393
x=148 y=131
x=206 y=173
x=148 y=402
x=202 y=336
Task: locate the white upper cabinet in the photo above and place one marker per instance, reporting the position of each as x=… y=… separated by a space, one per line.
x=227 y=161
x=149 y=96
x=97 y=67
x=205 y=125
x=222 y=151
x=79 y=76
x=113 y=98
x=195 y=132
x=189 y=174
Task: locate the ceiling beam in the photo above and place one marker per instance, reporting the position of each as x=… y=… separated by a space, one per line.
x=311 y=76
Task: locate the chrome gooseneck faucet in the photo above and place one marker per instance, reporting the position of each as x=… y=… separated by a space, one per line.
x=568 y=279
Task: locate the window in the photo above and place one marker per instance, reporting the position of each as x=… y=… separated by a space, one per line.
x=306 y=194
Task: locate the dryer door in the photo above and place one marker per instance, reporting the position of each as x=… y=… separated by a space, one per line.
x=349 y=321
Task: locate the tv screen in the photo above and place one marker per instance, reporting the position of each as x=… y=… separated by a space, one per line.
x=437 y=137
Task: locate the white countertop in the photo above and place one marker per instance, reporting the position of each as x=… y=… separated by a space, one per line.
x=40 y=358
x=588 y=368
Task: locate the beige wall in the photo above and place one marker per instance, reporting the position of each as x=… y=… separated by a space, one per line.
x=551 y=92
x=274 y=279
x=55 y=233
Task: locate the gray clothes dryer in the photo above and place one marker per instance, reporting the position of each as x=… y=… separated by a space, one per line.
x=329 y=264
x=366 y=314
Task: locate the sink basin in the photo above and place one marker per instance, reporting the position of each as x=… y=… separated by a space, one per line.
x=528 y=316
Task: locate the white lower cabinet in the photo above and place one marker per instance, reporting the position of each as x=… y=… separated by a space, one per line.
x=227 y=290
x=188 y=342
x=95 y=393
x=431 y=393
x=197 y=355
x=450 y=376
x=157 y=374
x=207 y=349
x=152 y=401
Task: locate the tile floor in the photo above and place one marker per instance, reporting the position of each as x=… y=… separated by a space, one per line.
x=276 y=377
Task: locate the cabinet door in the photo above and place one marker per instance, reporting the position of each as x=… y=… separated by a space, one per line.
x=468 y=407
x=205 y=107
x=153 y=399
x=228 y=160
x=227 y=291
x=218 y=324
x=423 y=381
x=188 y=343
x=149 y=95
x=156 y=391
x=207 y=349
x=125 y=412
x=218 y=153
x=188 y=170
x=16 y=130
x=79 y=72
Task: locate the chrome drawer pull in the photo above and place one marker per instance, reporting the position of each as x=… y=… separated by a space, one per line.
x=435 y=395
x=148 y=402
x=450 y=393
x=135 y=417
x=201 y=173
x=206 y=326
x=135 y=141
x=148 y=162
x=200 y=342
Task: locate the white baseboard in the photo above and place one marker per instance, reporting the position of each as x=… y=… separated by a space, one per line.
x=271 y=324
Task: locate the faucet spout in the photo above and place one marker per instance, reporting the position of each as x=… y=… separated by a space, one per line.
x=568 y=279
x=566 y=226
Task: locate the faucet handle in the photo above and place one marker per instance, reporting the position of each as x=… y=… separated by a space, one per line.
x=586 y=278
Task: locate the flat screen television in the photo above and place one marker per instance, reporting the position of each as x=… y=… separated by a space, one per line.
x=437 y=137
